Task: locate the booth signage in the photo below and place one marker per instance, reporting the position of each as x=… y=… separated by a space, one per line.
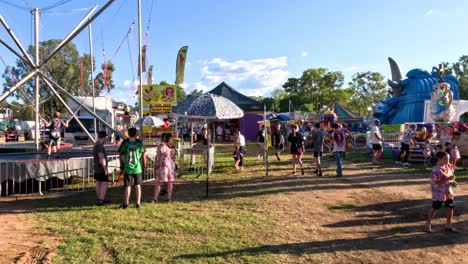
x=158 y=98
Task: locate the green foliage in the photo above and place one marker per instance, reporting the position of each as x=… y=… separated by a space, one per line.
x=99 y=84
x=367 y=88
x=64 y=68
x=21 y=112
x=315 y=87
x=195 y=93
x=460 y=69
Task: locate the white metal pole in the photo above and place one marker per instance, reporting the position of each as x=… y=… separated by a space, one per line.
x=140 y=64
x=37 y=88
x=92 y=75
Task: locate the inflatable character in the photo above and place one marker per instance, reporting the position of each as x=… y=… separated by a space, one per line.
x=441 y=103
x=405 y=102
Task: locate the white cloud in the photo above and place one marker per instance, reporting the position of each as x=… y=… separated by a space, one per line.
x=352 y=68
x=433 y=12
x=124 y=92
x=304 y=53
x=251 y=77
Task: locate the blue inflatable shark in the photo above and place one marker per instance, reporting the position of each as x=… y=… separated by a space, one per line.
x=405 y=102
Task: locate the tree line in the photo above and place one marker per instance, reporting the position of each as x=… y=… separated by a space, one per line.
x=311 y=92
x=317 y=88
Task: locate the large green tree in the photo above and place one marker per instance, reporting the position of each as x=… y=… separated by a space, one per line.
x=64 y=68
x=367 y=88
x=460 y=69
x=315 y=87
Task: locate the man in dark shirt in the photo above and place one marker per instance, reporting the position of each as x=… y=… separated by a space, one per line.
x=101 y=174
x=318 y=137
x=278 y=140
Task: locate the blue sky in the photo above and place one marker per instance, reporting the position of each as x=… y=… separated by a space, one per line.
x=255 y=45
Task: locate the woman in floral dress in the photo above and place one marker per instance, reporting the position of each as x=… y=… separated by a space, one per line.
x=164 y=166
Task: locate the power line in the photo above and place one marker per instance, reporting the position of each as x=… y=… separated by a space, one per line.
x=59 y=3
x=15 y=5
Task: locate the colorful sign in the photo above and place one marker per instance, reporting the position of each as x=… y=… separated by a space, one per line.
x=158 y=98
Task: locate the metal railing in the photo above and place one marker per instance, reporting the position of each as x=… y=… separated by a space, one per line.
x=42 y=176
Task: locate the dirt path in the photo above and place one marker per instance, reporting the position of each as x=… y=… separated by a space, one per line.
x=20 y=242
x=365 y=218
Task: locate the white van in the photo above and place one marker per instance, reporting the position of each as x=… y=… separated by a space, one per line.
x=75 y=135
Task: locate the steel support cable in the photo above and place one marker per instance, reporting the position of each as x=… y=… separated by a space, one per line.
x=25 y=8
x=59 y=3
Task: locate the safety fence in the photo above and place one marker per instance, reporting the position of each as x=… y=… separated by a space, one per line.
x=50 y=176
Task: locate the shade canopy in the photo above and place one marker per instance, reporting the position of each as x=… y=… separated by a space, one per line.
x=149 y=121
x=208 y=106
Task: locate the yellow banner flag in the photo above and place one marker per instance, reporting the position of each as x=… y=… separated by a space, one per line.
x=180 y=65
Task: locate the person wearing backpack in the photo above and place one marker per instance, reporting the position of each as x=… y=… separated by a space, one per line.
x=55 y=125
x=133 y=161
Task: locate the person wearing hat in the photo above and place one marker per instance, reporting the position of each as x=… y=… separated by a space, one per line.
x=376 y=141
x=101 y=173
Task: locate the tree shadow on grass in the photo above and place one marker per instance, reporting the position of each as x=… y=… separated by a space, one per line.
x=394 y=212
x=386 y=240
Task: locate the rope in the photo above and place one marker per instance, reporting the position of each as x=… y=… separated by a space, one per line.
x=133 y=68
x=105 y=69
x=150 y=15
x=130 y=31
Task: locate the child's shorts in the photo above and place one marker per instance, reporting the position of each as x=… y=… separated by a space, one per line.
x=438 y=204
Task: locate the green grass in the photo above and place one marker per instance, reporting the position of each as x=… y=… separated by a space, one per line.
x=192 y=229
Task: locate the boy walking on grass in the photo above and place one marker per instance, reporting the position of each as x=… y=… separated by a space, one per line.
x=133 y=162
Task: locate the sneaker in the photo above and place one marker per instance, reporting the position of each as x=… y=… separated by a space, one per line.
x=123 y=206
x=138 y=206
x=406 y=164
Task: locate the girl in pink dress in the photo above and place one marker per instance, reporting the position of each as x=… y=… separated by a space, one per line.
x=442 y=192
x=164 y=167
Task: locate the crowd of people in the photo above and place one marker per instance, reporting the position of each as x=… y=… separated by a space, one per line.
x=133 y=159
